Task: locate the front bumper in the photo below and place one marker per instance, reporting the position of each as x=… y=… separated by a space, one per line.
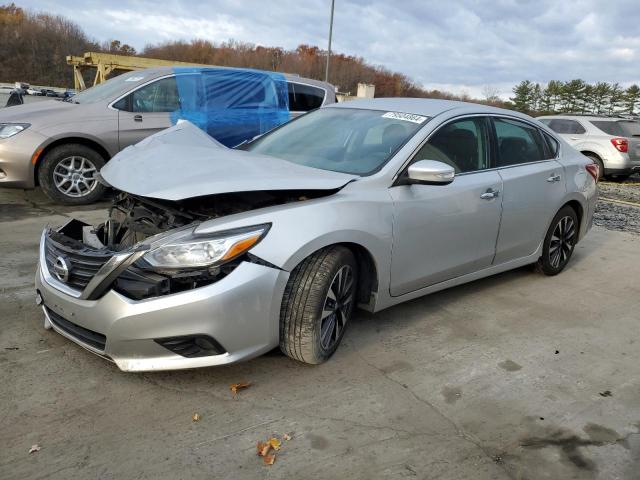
x=241 y=312
x=16 y=155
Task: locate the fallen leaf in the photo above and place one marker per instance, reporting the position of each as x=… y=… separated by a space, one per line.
x=263 y=448
x=275 y=443
x=239 y=386
x=34 y=448
x=286 y=436
x=269 y=459
x=195 y=417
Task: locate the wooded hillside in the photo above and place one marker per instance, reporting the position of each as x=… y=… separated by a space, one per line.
x=34 y=47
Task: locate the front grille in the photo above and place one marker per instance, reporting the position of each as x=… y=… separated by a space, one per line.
x=83 y=262
x=95 y=339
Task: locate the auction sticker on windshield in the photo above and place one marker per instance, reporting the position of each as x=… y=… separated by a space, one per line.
x=408 y=117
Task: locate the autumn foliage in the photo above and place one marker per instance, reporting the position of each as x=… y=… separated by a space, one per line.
x=34 y=47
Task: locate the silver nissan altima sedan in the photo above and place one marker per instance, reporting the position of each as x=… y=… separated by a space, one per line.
x=211 y=255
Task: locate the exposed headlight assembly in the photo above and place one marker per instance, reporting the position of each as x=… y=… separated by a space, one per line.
x=186 y=250
x=10 y=129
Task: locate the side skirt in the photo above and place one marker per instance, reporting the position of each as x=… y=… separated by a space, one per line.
x=389 y=301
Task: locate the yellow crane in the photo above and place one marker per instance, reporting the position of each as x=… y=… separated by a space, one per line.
x=106 y=63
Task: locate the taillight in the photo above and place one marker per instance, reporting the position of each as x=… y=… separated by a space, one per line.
x=594 y=170
x=621 y=144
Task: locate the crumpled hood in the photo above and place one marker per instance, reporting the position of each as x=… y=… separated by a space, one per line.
x=184 y=162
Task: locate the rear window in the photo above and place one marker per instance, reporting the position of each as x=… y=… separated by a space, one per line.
x=631 y=129
x=303 y=98
x=610 y=128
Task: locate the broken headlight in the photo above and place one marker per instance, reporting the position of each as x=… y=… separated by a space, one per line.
x=187 y=250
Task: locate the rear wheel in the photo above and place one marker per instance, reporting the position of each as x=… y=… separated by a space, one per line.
x=598 y=161
x=559 y=242
x=317 y=304
x=620 y=178
x=68 y=174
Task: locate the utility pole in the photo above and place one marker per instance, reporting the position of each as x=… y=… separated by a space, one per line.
x=326 y=72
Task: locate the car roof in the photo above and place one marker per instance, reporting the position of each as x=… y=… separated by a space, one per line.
x=582 y=117
x=428 y=107
x=151 y=73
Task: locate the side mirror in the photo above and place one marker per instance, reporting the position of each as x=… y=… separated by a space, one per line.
x=430 y=172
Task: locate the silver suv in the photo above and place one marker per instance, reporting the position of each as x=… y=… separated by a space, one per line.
x=611 y=142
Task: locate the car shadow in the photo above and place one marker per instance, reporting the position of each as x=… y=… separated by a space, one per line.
x=361 y=333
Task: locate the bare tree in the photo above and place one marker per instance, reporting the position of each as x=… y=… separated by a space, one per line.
x=490 y=94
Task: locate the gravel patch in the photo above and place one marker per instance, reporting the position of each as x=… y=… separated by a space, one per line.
x=615 y=216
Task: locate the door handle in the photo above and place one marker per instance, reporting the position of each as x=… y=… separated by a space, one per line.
x=553 y=178
x=489 y=194
x=137 y=118
x=574 y=138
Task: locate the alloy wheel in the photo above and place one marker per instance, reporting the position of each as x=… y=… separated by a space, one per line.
x=75 y=176
x=337 y=307
x=562 y=242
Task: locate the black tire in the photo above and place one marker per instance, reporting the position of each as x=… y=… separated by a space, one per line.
x=620 y=178
x=305 y=297
x=86 y=190
x=598 y=161
x=559 y=242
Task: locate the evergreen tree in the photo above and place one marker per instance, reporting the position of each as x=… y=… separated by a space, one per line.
x=522 y=96
x=616 y=99
x=632 y=99
x=601 y=92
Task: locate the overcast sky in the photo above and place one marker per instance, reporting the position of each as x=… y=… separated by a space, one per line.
x=453 y=45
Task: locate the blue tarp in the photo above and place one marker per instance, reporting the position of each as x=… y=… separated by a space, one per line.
x=231 y=105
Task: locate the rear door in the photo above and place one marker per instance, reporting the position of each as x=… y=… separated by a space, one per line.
x=146 y=110
x=533 y=183
x=445 y=231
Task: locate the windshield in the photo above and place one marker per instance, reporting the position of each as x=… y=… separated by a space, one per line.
x=631 y=128
x=109 y=89
x=346 y=140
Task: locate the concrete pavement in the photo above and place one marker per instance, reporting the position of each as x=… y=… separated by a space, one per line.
x=518 y=376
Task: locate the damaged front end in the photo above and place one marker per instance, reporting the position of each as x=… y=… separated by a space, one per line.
x=147 y=247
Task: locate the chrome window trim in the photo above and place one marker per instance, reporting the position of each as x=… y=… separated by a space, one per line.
x=410 y=158
x=324 y=99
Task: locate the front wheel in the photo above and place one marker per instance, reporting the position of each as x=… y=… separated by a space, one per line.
x=68 y=174
x=317 y=304
x=559 y=242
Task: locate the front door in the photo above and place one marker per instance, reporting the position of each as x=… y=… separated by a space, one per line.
x=445 y=231
x=146 y=111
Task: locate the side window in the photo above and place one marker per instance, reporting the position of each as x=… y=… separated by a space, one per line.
x=461 y=144
x=566 y=126
x=303 y=98
x=160 y=96
x=552 y=145
x=518 y=142
x=610 y=128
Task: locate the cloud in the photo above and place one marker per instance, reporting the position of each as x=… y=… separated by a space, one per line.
x=461 y=45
